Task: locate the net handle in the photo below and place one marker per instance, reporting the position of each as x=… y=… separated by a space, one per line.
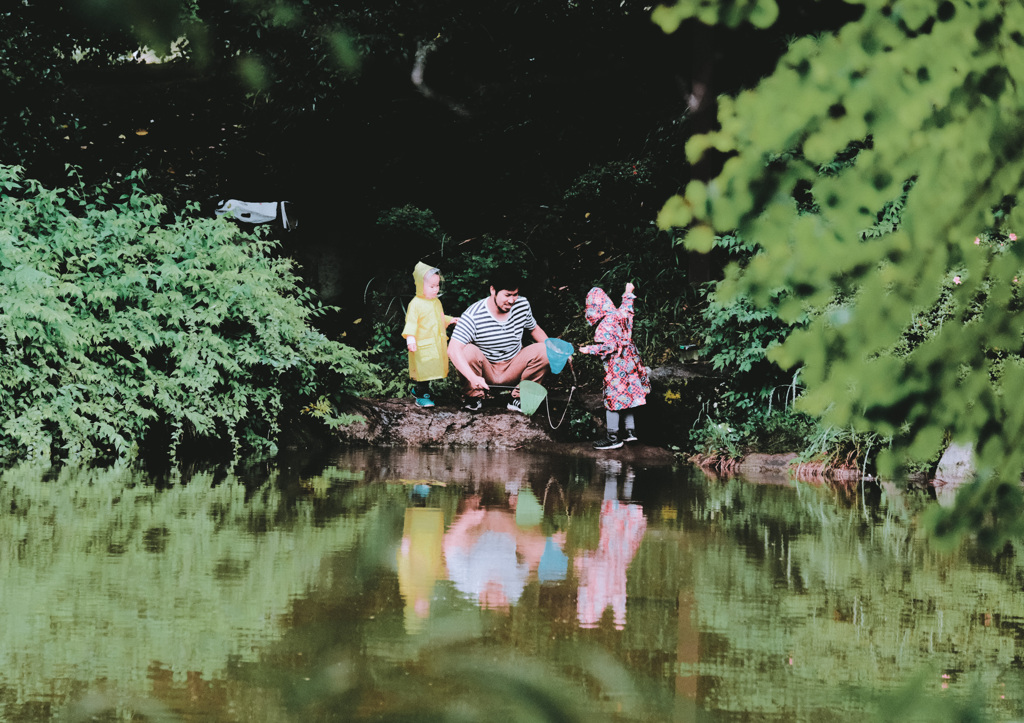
x=547 y=402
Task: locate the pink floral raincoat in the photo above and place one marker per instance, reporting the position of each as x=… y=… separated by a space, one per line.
x=626 y=382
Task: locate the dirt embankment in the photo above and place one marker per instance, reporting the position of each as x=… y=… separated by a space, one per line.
x=400 y=423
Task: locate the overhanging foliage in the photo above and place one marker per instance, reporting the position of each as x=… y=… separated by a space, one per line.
x=935 y=90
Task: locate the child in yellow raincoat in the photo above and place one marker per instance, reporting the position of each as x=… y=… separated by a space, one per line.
x=424 y=332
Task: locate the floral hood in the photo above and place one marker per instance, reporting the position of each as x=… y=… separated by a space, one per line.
x=598 y=306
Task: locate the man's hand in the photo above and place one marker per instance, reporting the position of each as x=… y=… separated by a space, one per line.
x=455 y=355
x=410 y=343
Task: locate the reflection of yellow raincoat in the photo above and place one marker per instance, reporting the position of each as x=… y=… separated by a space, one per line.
x=425 y=320
x=420 y=563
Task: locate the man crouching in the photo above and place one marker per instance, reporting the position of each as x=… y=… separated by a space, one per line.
x=487 y=344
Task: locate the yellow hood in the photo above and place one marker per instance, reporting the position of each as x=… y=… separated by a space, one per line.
x=419 y=274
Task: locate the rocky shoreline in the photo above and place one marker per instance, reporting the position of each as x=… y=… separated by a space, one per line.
x=399 y=423
x=667 y=417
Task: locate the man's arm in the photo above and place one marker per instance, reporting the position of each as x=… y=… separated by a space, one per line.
x=536 y=332
x=458 y=360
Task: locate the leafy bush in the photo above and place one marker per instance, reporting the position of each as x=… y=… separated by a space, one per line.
x=842 y=447
x=776 y=431
x=737 y=336
x=467 y=268
x=619 y=179
x=119 y=329
x=667 y=305
x=716 y=438
x=780 y=430
x=410 y=222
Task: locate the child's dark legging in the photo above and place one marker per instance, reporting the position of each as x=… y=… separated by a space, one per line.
x=612 y=419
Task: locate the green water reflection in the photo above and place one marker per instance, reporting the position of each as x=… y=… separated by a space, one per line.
x=387 y=585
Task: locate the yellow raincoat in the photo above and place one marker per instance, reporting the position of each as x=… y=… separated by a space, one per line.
x=425 y=320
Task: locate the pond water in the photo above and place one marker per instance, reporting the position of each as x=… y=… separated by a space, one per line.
x=389 y=585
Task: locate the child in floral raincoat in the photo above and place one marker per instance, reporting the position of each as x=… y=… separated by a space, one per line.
x=626 y=381
x=424 y=332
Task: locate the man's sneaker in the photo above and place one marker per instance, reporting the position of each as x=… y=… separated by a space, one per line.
x=630 y=436
x=610 y=442
x=515 y=406
x=473 y=404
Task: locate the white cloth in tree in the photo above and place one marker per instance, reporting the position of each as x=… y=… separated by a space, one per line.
x=256 y=212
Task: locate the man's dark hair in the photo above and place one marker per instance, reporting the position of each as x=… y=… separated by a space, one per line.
x=506 y=278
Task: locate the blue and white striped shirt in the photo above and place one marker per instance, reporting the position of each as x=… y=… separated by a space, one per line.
x=498 y=340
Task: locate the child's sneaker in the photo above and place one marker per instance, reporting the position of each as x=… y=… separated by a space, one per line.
x=472 y=404
x=514 y=405
x=630 y=436
x=422 y=400
x=612 y=441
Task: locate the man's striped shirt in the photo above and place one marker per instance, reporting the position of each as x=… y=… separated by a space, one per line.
x=499 y=341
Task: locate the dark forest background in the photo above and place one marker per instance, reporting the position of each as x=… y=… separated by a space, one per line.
x=558 y=127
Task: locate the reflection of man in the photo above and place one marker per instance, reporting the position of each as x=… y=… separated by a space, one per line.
x=487 y=345
x=419 y=563
x=489 y=557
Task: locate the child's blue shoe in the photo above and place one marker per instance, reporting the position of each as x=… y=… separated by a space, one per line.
x=423 y=400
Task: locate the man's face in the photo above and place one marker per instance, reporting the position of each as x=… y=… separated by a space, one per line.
x=431 y=286
x=504 y=299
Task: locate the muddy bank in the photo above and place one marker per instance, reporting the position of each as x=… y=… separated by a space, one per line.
x=400 y=423
x=662 y=423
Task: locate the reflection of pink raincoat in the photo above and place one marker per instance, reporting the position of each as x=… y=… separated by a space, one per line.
x=602 y=574
x=626 y=383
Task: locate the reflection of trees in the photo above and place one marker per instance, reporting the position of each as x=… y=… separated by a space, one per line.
x=103 y=576
x=358 y=662
x=192 y=585
x=803 y=605
x=764 y=602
